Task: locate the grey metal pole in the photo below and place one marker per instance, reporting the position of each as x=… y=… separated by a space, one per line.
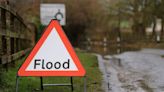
x=85 y=84
x=17 y=83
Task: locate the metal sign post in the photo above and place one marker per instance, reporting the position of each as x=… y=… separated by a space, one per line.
x=17 y=83
x=85 y=84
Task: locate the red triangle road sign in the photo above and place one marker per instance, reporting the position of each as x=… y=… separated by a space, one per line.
x=53 y=55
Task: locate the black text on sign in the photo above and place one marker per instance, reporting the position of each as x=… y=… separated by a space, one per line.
x=41 y=63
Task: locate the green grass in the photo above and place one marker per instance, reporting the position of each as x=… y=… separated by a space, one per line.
x=31 y=84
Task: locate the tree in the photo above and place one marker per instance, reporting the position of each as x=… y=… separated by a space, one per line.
x=82 y=15
x=142 y=12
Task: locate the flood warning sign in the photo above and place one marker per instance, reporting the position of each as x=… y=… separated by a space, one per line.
x=53 y=55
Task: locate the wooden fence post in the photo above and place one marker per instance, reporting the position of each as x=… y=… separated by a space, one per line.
x=0 y=37
x=14 y=36
x=12 y=40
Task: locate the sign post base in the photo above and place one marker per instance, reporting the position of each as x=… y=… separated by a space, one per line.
x=44 y=85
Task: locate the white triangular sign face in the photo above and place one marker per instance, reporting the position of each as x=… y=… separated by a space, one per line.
x=53 y=55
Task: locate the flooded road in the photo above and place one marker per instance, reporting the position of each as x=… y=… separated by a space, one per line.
x=135 y=71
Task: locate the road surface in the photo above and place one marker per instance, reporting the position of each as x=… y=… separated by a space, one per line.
x=135 y=71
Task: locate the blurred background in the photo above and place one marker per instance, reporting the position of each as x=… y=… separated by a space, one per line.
x=103 y=26
x=106 y=27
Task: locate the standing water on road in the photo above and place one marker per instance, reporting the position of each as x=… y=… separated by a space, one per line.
x=136 y=71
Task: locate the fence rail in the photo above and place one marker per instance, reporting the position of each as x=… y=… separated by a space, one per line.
x=15 y=36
